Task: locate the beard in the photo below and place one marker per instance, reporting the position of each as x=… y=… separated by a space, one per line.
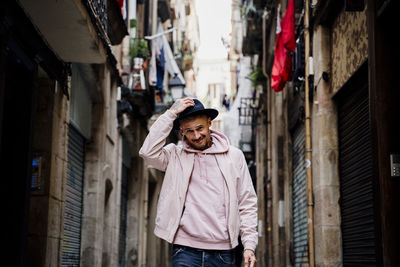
x=201 y=143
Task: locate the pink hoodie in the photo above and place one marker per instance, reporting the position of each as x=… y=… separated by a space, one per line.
x=239 y=196
x=204 y=221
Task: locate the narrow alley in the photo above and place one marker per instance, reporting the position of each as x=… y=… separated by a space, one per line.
x=303 y=91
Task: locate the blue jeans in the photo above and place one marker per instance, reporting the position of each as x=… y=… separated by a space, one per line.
x=183 y=256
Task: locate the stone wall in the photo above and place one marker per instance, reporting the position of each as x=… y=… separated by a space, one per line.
x=349 y=44
x=101 y=211
x=261 y=167
x=325 y=157
x=137 y=234
x=338 y=51
x=47 y=202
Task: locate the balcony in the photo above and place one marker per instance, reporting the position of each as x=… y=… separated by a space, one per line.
x=78 y=31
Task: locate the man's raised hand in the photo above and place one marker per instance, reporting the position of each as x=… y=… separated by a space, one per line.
x=181 y=104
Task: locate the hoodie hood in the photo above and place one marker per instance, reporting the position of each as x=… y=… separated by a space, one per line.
x=220 y=144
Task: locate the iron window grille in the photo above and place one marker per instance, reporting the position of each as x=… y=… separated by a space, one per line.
x=247 y=111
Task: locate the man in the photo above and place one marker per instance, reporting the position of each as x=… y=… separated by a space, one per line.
x=207 y=197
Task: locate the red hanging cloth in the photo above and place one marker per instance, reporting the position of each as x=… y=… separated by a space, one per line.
x=285 y=45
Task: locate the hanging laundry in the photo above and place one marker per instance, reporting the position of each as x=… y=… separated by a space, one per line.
x=160 y=72
x=153 y=65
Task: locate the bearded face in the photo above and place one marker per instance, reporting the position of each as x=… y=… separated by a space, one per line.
x=197 y=132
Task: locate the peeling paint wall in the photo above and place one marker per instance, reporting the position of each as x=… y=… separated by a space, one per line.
x=349 y=46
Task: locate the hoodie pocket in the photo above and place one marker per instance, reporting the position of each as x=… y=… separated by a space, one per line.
x=204 y=223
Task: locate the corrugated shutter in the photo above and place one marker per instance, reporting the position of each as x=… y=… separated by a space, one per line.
x=356 y=178
x=73 y=203
x=299 y=199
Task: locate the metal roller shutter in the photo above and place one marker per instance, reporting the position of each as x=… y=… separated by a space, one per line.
x=73 y=203
x=356 y=178
x=299 y=200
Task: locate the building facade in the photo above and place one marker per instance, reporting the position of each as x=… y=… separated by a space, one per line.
x=79 y=194
x=327 y=192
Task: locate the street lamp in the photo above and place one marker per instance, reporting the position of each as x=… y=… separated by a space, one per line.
x=176 y=86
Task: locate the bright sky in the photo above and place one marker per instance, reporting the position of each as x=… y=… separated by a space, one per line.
x=214 y=23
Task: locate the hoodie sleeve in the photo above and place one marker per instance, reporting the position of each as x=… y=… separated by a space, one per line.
x=153 y=149
x=247 y=208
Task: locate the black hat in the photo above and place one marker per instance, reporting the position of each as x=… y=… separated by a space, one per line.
x=197 y=109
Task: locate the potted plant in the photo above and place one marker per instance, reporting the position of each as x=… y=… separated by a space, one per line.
x=257 y=77
x=139 y=51
x=139 y=48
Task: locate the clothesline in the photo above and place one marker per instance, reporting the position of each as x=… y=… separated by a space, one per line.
x=151 y=37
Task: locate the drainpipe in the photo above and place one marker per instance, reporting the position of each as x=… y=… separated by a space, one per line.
x=308 y=148
x=269 y=144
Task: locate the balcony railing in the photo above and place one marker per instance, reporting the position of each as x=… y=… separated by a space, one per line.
x=109 y=14
x=100 y=7
x=247 y=111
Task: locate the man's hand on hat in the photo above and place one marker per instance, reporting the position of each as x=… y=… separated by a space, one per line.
x=181 y=104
